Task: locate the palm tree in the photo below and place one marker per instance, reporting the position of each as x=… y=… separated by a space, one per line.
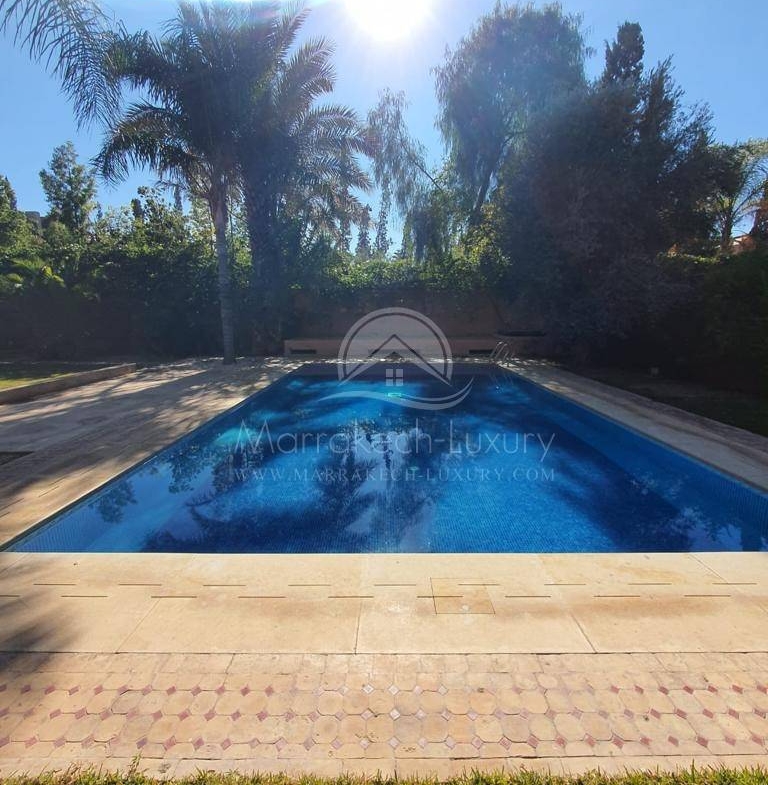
x=231 y=108
x=742 y=182
x=294 y=158
x=72 y=38
x=185 y=128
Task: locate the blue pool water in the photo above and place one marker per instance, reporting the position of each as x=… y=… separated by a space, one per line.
x=511 y=468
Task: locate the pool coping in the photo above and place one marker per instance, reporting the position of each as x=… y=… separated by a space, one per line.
x=471 y=603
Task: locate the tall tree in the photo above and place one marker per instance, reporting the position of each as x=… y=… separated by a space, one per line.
x=624 y=56
x=185 y=128
x=517 y=61
x=14 y=227
x=382 y=242
x=178 y=200
x=612 y=178
x=760 y=225
x=70 y=189
x=399 y=160
x=363 y=247
x=400 y=168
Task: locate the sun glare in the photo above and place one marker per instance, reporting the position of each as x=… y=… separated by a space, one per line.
x=388 y=20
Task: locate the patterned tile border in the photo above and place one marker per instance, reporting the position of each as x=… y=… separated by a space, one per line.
x=297 y=710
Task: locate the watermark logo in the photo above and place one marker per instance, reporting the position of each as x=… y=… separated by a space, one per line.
x=401 y=342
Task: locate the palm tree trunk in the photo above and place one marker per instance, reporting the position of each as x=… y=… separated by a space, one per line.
x=220 y=219
x=725 y=237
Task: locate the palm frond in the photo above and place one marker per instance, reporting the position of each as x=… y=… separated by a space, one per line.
x=72 y=38
x=146 y=136
x=306 y=75
x=286 y=28
x=146 y=64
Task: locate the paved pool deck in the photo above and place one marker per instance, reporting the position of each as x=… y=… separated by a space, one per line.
x=393 y=663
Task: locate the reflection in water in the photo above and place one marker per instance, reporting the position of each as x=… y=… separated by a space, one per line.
x=112 y=503
x=512 y=468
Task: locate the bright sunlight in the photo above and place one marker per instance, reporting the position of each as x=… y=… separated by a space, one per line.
x=388 y=20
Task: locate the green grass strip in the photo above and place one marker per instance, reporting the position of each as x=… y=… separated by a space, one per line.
x=134 y=776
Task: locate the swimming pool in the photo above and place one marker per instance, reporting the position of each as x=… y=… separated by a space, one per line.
x=313 y=466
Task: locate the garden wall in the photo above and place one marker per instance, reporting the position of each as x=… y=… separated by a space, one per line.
x=58 y=324
x=463 y=313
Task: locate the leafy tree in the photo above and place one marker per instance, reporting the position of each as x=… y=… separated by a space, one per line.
x=137 y=209
x=517 y=61
x=382 y=242
x=624 y=56
x=400 y=168
x=201 y=225
x=345 y=235
x=70 y=188
x=68 y=257
x=399 y=160
x=71 y=37
x=363 y=248
x=15 y=230
x=741 y=182
x=158 y=278
x=610 y=177
x=20 y=262
x=434 y=223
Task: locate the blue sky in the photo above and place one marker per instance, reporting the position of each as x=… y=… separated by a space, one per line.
x=718 y=49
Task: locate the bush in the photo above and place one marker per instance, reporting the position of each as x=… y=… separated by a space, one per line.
x=722 y=336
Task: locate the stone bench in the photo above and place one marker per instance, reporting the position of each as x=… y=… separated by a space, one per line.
x=463 y=346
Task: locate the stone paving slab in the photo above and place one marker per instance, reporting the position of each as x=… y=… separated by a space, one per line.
x=394 y=713
x=382 y=603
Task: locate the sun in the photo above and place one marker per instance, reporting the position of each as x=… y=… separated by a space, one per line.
x=388 y=20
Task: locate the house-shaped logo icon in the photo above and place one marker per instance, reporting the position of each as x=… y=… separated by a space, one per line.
x=403 y=335
x=399 y=332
